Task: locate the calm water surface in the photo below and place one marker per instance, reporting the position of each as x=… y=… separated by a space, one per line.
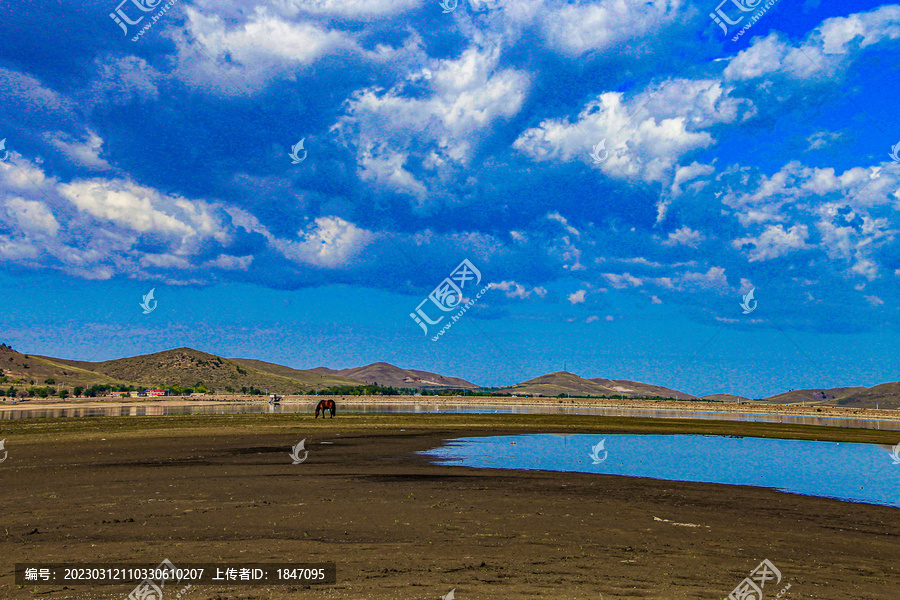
x=141 y=410
x=851 y=472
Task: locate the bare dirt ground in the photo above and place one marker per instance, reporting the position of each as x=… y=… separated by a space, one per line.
x=217 y=488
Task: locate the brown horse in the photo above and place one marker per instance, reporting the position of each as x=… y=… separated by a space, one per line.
x=326 y=405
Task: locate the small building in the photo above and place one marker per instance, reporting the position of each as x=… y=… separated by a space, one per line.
x=154 y=393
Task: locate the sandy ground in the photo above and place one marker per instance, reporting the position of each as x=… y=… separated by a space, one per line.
x=213 y=488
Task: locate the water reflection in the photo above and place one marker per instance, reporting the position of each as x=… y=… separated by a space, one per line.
x=434 y=408
x=850 y=472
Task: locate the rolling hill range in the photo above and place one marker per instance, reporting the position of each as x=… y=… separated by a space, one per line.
x=563 y=382
x=187 y=367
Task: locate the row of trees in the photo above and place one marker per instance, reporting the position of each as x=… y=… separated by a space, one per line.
x=36 y=392
x=102 y=389
x=185 y=390
x=358 y=390
x=6 y=379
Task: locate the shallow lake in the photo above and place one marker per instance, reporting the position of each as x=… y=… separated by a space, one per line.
x=851 y=472
x=23 y=411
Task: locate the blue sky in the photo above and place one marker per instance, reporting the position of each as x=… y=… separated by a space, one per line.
x=619 y=173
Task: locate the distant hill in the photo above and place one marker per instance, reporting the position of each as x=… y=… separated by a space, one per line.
x=563 y=382
x=814 y=396
x=644 y=390
x=323 y=370
x=313 y=378
x=188 y=367
x=885 y=395
x=389 y=375
x=553 y=384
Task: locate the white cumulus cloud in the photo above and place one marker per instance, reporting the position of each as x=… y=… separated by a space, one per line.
x=577 y=297
x=773 y=242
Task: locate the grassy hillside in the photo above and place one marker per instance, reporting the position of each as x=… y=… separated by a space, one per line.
x=563 y=382
x=886 y=395
x=814 y=396
x=312 y=378
x=24 y=371
x=187 y=367
x=644 y=390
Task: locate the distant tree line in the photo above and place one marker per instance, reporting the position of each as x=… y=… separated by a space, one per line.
x=373 y=389
x=185 y=390
x=36 y=392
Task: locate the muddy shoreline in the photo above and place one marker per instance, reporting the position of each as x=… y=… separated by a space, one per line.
x=222 y=487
